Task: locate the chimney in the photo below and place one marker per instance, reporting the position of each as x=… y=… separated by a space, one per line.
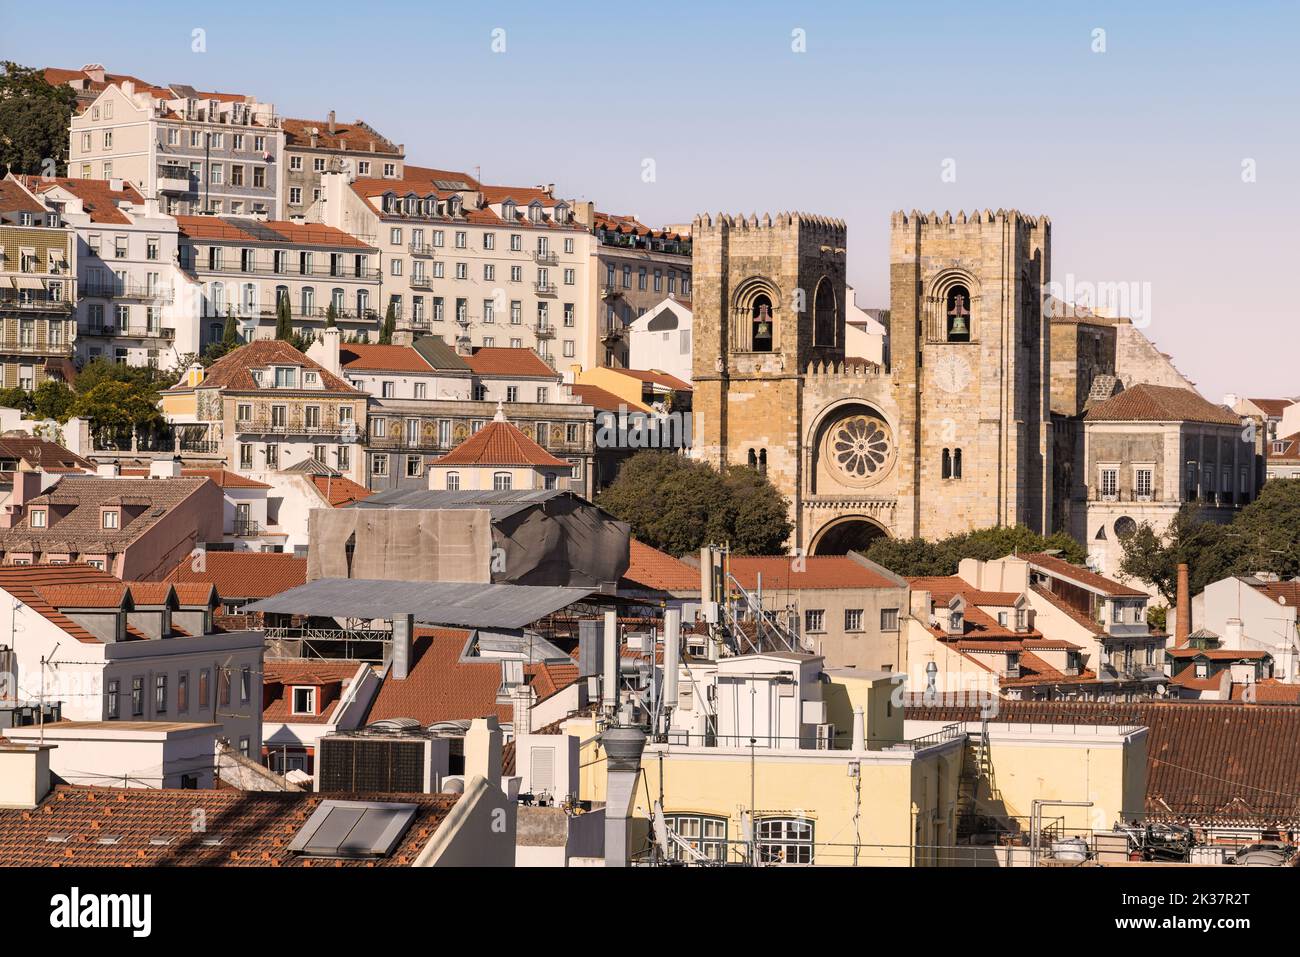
x=329 y=124
x=672 y=653
x=590 y=654
x=24 y=774
x=483 y=750
x=329 y=351
x=165 y=468
x=1183 y=622
x=623 y=748
x=27 y=485
x=194 y=375
x=521 y=701
x=609 y=686
x=403 y=626
x=1232 y=633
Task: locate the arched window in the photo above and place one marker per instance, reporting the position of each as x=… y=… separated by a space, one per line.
x=824 y=319
x=946 y=470
x=336 y=299
x=453 y=481
x=760 y=314
x=762 y=461
x=281 y=294
x=308 y=300
x=957 y=315
x=956 y=463
x=753 y=459
x=218 y=298
x=501 y=481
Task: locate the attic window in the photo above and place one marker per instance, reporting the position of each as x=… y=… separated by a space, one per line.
x=111 y=518
x=304 y=700
x=38 y=518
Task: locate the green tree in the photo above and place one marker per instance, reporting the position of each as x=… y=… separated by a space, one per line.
x=283 y=320
x=677 y=504
x=52 y=399
x=16 y=398
x=916 y=557
x=34 y=117
x=331 y=316
x=389 y=327
x=115 y=407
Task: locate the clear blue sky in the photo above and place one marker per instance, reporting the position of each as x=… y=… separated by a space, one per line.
x=1135 y=153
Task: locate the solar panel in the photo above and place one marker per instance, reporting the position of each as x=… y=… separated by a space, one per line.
x=450 y=184
x=353 y=829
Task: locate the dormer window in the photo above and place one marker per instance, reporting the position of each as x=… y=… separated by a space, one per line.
x=310 y=378
x=38 y=518
x=507 y=210
x=390 y=203
x=110 y=518
x=304 y=700
x=286 y=377
x=454 y=206
x=1202 y=669
x=535 y=212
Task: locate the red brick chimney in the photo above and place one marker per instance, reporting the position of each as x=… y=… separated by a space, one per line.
x=1183 y=626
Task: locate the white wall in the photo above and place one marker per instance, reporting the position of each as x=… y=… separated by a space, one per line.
x=110 y=755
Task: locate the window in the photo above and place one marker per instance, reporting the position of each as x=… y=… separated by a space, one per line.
x=160 y=694
x=112 y=708
x=37 y=518
x=304 y=700
x=137 y=697
x=512 y=393
x=784 y=840
x=379 y=465
x=245 y=455
x=1142 y=484
x=814 y=620
x=183 y=692
x=295 y=164
x=1109 y=482
x=501 y=481
x=706 y=835
x=957 y=314
x=453 y=481
x=414 y=466
x=205 y=678
x=109 y=519
x=223 y=686
x=853 y=619
x=889 y=619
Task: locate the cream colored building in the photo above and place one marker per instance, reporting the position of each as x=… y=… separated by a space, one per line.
x=192 y=151
x=474 y=265
x=498 y=457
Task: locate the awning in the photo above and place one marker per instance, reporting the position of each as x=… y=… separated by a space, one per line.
x=28 y=282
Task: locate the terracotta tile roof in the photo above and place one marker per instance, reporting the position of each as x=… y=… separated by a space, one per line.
x=194 y=594
x=149 y=593
x=1217 y=654
x=1160 y=403
x=548 y=677
x=655 y=377
x=233 y=370
x=273 y=232
x=602 y=400
x=1284 y=593
x=500 y=443
x=826 y=571
x=79 y=530
x=43 y=454
x=1053 y=565
x=1206 y=761
x=502 y=361
x=981 y=626
x=943 y=587
x=244 y=828
x=630 y=225
x=1035 y=671
x=382 y=358
x=1272 y=407
x=1187 y=678
x=1283 y=450
x=354 y=137
x=31 y=583
x=339 y=490
x=98 y=198
x=15 y=199
x=439 y=686
x=420 y=180
x=652 y=570
x=91 y=595
x=1268 y=691
x=333 y=678
x=243 y=574
x=219 y=477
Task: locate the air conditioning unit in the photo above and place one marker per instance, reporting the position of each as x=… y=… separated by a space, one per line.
x=388 y=762
x=825 y=737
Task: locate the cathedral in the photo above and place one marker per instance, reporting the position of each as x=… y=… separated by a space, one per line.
x=953 y=434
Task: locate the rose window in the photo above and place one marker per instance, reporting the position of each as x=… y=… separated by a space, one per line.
x=859 y=446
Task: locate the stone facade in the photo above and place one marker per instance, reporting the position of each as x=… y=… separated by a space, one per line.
x=961 y=417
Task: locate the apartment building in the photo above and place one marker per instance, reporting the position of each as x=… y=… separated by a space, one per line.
x=132 y=651
x=474 y=265
x=266 y=407
x=1148 y=451
x=246 y=267
x=314 y=147
x=134 y=304
x=192 y=151
x=637 y=267
x=38 y=264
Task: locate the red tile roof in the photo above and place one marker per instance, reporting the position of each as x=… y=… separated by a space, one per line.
x=655 y=377
x=39 y=587
x=243 y=828
x=109 y=594
x=233 y=370
x=192 y=594
x=1286 y=450
x=1160 y=403
x=1084 y=621
x=221 y=477
x=354 y=137
x=1267 y=691
x=653 y=570
x=243 y=574
x=98 y=198
x=382 y=358
x=630 y=225
x=253 y=232
x=1217 y=654
x=1272 y=407
x=1206 y=761
x=150 y=593
x=1077 y=573
x=15 y=199
x=1284 y=593
x=501 y=361
x=600 y=399
x=334 y=677
x=439 y=686
x=943 y=587
x=782 y=572
x=500 y=443
x=339 y=490
x=43 y=454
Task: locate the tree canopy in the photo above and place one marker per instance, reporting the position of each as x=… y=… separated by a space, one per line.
x=677 y=505
x=34 y=119
x=916 y=557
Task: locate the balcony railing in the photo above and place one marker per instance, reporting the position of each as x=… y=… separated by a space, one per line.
x=27 y=302
x=130 y=290
x=544 y=331
x=130 y=332
x=421 y=282
x=247 y=527
x=264 y=425
x=291 y=269
x=546 y=258
x=544 y=288
x=418 y=248
x=14 y=346
x=316 y=313
x=177 y=179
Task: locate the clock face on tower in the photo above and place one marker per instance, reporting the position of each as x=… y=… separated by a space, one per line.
x=952 y=372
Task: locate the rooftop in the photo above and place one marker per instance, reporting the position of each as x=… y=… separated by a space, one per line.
x=248 y=231
x=787 y=573
x=652 y=570
x=359 y=357
x=500 y=443
x=501 y=361
x=244 y=574
x=234 y=370
x=1058 y=567
x=1160 y=403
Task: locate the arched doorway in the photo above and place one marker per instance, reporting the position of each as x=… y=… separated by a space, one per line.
x=847 y=535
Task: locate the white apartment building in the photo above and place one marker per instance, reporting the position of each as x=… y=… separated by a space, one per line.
x=245 y=267
x=191 y=151
x=661 y=339
x=134 y=304
x=475 y=265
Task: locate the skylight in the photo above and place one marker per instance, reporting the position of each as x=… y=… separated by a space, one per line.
x=353 y=829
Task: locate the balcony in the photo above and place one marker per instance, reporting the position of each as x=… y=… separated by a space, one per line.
x=176 y=179
x=546 y=258
x=289 y=271
x=248 y=528
x=130 y=290
x=130 y=332
x=544 y=331
x=610 y=292
x=421 y=282
x=265 y=425
x=420 y=248
x=34 y=301
x=318 y=313
x=544 y=288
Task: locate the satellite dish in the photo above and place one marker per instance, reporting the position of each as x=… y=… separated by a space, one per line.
x=1160 y=689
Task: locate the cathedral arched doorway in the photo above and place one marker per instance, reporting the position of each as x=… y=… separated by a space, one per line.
x=854 y=534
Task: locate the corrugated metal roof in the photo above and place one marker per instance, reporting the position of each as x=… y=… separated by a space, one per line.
x=463 y=604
